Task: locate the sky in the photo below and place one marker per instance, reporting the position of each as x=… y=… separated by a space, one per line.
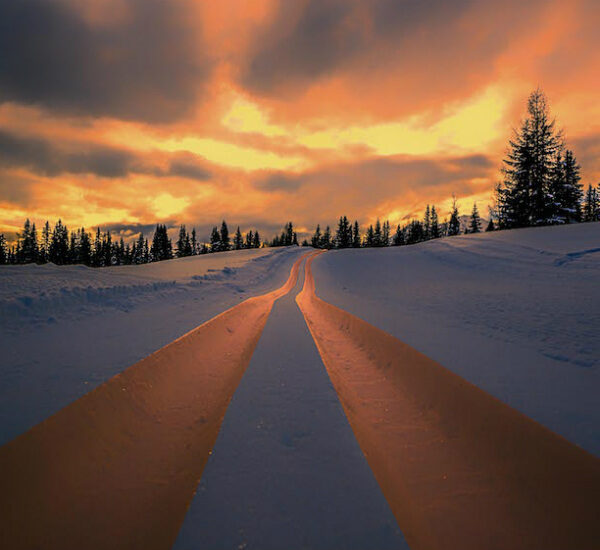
x=128 y=113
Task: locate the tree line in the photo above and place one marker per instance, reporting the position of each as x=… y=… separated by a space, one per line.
x=348 y=235
x=541 y=186
x=63 y=247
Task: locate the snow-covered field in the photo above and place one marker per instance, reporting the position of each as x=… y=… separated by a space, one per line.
x=517 y=313
x=65 y=330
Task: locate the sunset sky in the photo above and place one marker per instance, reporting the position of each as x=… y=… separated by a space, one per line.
x=126 y=113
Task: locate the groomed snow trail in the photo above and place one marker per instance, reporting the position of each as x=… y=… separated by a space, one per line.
x=286 y=470
x=118 y=467
x=459 y=468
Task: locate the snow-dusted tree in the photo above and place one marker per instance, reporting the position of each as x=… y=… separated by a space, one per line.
x=591 y=205
x=475 y=221
x=215 y=240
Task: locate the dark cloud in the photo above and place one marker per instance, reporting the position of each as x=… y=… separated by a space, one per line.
x=360 y=188
x=304 y=45
x=146 y=67
x=279 y=181
x=427 y=49
x=16 y=189
x=327 y=34
x=190 y=167
x=47 y=159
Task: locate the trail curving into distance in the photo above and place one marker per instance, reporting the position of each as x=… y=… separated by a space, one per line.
x=118 y=467
x=459 y=468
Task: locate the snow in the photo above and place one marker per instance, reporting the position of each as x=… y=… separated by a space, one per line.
x=65 y=330
x=286 y=470
x=515 y=312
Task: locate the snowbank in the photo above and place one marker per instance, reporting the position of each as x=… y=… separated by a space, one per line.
x=65 y=330
x=515 y=312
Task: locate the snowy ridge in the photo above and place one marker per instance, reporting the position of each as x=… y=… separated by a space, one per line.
x=50 y=293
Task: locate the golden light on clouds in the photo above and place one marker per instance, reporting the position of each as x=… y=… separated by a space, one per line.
x=260 y=113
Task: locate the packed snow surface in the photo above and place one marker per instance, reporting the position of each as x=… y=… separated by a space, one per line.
x=65 y=330
x=516 y=313
x=286 y=470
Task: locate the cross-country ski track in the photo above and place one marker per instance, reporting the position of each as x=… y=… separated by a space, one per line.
x=348 y=439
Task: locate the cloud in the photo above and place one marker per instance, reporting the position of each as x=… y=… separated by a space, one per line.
x=188 y=166
x=375 y=187
x=49 y=159
x=145 y=66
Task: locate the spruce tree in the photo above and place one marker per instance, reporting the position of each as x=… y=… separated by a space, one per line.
x=326 y=238
x=524 y=197
x=73 y=248
x=427 y=223
x=571 y=193
x=385 y=234
x=194 y=242
x=3 y=250
x=475 y=222
x=454 y=223
x=435 y=226
x=225 y=241
x=490 y=226
x=162 y=248
x=249 y=238
x=97 y=254
x=85 y=248
x=45 y=246
x=215 y=240
x=59 y=244
x=377 y=234
x=238 y=241
x=316 y=238
x=356 y=235
x=591 y=206
x=181 y=252
x=256 y=241
x=398 y=239
x=370 y=236
x=343 y=235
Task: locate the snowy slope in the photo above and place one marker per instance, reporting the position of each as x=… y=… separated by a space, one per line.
x=65 y=330
x=516 y=313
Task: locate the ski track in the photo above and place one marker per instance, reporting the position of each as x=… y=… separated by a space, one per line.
x=96 y=332
x=286 y=470
x=516 y=313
